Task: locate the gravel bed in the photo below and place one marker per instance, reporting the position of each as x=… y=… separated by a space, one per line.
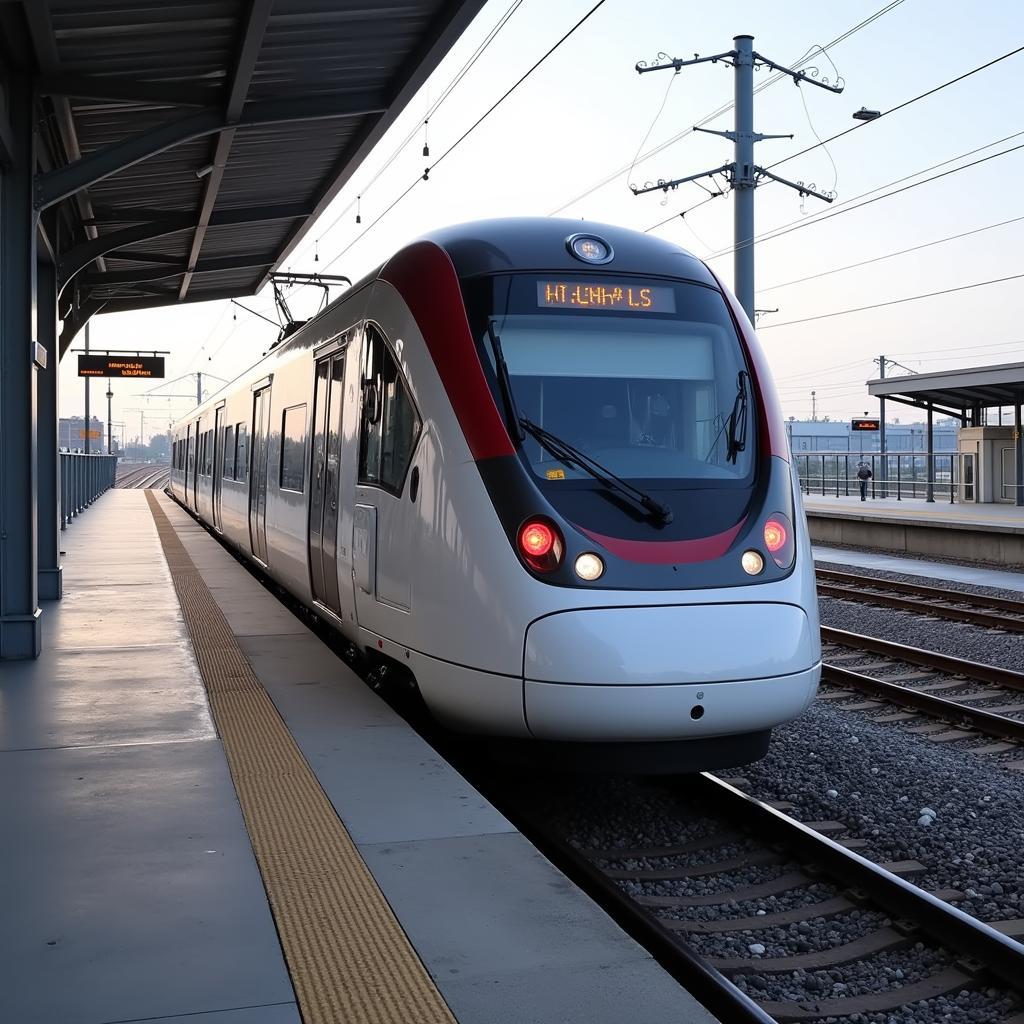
x=803 y=896
x=785 y=940
x=879 y=780
x=961 y=640
x=708 y=885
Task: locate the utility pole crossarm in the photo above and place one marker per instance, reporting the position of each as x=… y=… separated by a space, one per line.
x=797 y=76
x=804 y=190
x=731 y=136
x=664 y=186
x=676 y=64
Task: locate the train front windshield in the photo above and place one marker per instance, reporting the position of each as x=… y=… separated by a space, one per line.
x=653 y=391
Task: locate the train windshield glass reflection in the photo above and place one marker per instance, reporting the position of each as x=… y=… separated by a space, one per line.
x=648 y=396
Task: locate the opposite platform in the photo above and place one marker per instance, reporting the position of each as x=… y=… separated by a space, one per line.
x=984 y=533
x=501 y=933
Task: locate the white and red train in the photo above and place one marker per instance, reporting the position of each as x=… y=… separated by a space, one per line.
x=543 y=470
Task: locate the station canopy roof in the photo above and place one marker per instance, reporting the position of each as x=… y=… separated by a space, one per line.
x=951 y=391
x=186 y=146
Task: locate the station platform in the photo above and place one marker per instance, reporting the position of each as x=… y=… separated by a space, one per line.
x=984 y=533
x=209 y=818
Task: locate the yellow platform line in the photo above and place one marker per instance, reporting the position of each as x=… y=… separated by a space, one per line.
x=349 y=959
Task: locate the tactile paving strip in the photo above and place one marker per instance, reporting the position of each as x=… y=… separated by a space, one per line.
x=348 y=957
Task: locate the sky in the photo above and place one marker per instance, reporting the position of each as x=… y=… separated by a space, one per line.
x=585 y=114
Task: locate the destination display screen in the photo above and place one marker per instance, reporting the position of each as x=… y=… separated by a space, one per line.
x=628 y=297
x=866 y=424
x=120 y=366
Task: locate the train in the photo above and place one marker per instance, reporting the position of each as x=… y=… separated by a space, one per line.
x=537 y=469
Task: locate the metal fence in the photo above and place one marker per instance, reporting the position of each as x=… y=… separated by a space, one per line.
x=899 y=476
x=83 y=478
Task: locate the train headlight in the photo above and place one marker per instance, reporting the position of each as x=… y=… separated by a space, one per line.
x=589 y=248
x=589 y=566
x=752 y=562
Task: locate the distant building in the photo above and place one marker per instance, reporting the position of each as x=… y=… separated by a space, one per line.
x=836 y=436
x=71 y=434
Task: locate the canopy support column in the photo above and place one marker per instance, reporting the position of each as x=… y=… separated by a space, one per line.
x=19 y=604
x=929 y=469
x=1018 y=443
x=48 y=456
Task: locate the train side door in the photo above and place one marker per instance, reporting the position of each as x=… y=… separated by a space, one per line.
x=258 y=472
x=187 y=459
x=384 y=529
x=325 y=493
x=217 y=469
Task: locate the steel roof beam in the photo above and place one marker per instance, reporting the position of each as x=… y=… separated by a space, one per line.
x=58 y=184
x=241 y=76
x=207 y=266
x=110 y=87
x=81 y=255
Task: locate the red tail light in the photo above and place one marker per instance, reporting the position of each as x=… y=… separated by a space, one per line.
x=779 y=539
x=540 y=544
x=775 y=535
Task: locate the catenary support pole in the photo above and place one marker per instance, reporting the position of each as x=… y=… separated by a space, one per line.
x=48 y=457
x=199 y=389
x=743 y=175
x=110 y=436
x=88 y=419
x=20 y=634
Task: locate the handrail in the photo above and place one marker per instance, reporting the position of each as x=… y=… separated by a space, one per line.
x=83 y=478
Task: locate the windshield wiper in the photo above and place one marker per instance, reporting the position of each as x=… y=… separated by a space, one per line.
x=568 y=453
x=512 y=418
x=736 y=441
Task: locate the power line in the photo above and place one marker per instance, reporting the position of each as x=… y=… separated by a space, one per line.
x=847 y=208
x=895 y=302
x=476 y=124
x=726 y=107
x=431 y=110
x=900 y=106
x=891 y=255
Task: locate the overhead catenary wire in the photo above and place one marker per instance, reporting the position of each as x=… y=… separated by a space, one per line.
x=432 y=108
x=892 y=255
x=895 y=302
x=862 y=124
x=846 y=207
x=472 y=128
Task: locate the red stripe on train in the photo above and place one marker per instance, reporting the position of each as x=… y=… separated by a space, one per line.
x=424 y=276
x=667 y=552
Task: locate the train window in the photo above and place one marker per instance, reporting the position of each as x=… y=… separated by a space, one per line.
x=390 y=424
x=651 y=393
x=293 y=448
x=241 y=455
x=228 y=469
x=208 y=453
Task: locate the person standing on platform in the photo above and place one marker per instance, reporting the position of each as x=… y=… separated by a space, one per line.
x=864 y=474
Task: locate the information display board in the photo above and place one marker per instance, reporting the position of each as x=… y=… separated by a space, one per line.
x=120 y=366
x=865 y=424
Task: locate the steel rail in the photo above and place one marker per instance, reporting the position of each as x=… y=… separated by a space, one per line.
x=926 y=659
x=998 y=726
x=950 y=927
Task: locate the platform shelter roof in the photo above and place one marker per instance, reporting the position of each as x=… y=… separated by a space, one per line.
x=185 y=147
x=952 y=391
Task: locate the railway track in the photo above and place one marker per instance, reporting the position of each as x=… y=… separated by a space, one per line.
x=144 y=476
x=1001 y=689
x=980 y=610
x=968 y=954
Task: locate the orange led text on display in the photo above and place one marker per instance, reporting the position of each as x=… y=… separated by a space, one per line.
x=594 y=295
